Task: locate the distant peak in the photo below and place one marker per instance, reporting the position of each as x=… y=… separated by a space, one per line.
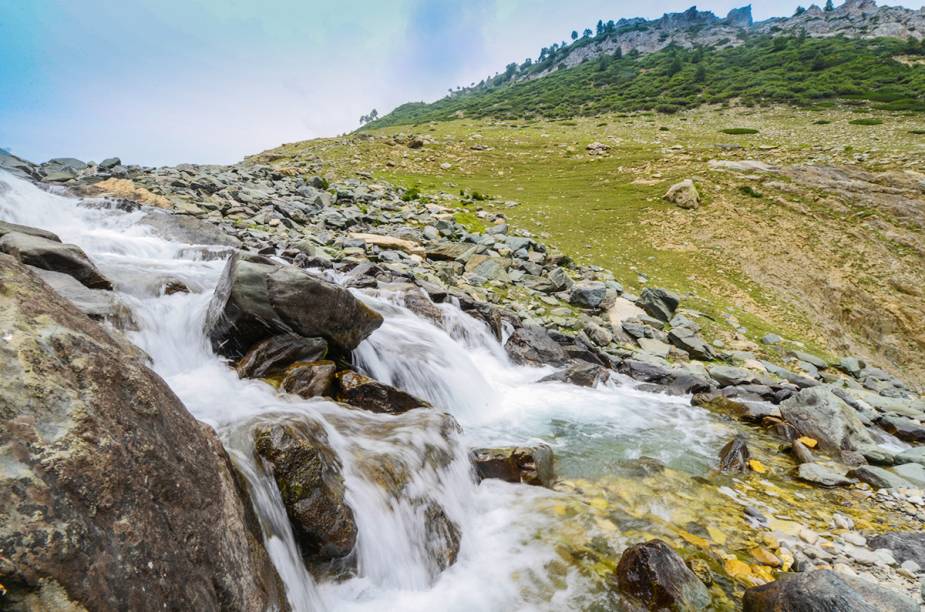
x=740 y=17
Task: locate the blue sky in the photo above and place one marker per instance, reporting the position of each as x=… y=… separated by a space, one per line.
x=210 y=81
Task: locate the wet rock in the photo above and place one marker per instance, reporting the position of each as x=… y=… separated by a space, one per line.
x=582 y=374
x=257 y=298
x=310 y=379
x=819 y=414
x=879 y=478
x=733 y=457
x=11 y=228
x=277 y=352
x=675 y=380
x=905 y=545
x=368 y=394
x=308 y=474
x=532 y=345
x=821 y=475
x=443 y=537
x=183 y=228
x=656 y=577
x=588 y=294
x=824 y=591
x=658 y=303
x=903 y=428
x=529 y=465
x=48 y=254
x=684 y=195
x=113 y=495
x=802 y=453
x=98 y=304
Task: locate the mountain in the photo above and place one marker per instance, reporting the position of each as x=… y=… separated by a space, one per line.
x=857 y=51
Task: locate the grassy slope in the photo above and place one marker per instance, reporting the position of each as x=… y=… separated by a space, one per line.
x=805 y=71
x=734 y=256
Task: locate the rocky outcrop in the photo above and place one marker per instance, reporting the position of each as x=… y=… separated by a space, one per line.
x=368 y=394
x=257 y=298
x=308 y=474
x=47 y=254
x=113 y=495
x=530 y=465
x=824 y=590
x=653 y=575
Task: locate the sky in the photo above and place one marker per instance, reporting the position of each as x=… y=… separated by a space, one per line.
x=160 y=82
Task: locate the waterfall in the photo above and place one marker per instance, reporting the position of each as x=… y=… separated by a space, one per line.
x=453 y=362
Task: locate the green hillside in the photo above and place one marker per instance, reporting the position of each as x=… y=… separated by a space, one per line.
x=887 y=74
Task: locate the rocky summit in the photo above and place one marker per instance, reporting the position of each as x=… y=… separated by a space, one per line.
x=636 y=326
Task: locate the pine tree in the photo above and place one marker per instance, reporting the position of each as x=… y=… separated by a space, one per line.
x=574 y=35
x=829 y=6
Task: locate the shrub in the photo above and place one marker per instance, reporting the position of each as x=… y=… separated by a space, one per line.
x=739 y=131
x=866 y=121
x=412 y=193
x=750 y=191
x=917 y=132
x=822 y=122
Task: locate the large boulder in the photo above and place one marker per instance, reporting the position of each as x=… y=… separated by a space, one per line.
x=49 y=254
x=818 y=413
x=684 y=195
x=368 y=394
x=308 y=474
x=11 y=228
x=529 y=465
x=276 y=353
x=113 y=496
x=658 y=303
x=183 y=228
x=905 y=545
x=655 y=576
x=824 y=591
x=532 y=345
x=257 y=298
x=310 y=379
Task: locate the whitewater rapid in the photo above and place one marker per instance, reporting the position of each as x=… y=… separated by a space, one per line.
x=457 y=365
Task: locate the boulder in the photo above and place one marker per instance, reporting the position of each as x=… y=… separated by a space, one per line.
x=824 y=591
x=658 y=303
x=816 y=473
x=818 y=413
x=368 y=394
x=109 y=163
x=529 y=465
x=10 y=228
x=278 y=352
x=913 y=455
x=114 y=497
x=878 y=477
x=308 y=474
x=310 y=379
x=905 y=545
x=99 y=304
x=730 y=375
x=257 y=298
x=532 y=345
x=903 y=428
x=581 y=373
x=588 y=294
x=733 y=457
x=684 y=195
x=656 y=577
x=51 y=255
x=913 y=472
x=183 y=228
x=687 y=340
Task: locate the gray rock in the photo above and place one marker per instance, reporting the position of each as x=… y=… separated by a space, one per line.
x=109 y=163
x=310 y=379
x=654 y=347
x=730 y=375
x=687 y=340
x=821 y=475
x=655 y=576
x=903 y=428
x=9 y=228
x=772 y=339
x=276 y=353
x=684 y=195
x=588 y=294
x=187 y=229
x=905 y=545
x=824 y=591
x=913 y=472
x=816 y=362
x=580 y=373
x=257 y=298
x=879 y=477
x=532 y=345
x=658 y=303
x=98 y=304
x=113 y=495
x=368 y=394
x=851 y=365
x=818 y=413
x=529 y=465
x=913 y=455
x=51 y=255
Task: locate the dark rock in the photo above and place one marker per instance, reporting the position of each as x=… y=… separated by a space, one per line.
x=114 y=497
x=443 y=536
x=903 y=428
x=277 y=352
x=51 y=255
x=582 y=374
x=364 y=392
x=532 y=345
x=818 y=413
x=257 y=298
x=588 y=294
x=686 y=340
x=905 y=545
x=308 y=474
x=730 y=375
x=824 y=591
x=746 y=410
x=733 y=457
x=656 y=577
x=310 y=379
x=676 y=381
x=109 y=163
x=878 y=477
x=658 y=303
x=530 y=465
x=172 y=287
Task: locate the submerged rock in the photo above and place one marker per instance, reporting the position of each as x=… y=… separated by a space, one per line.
x=257 y=298
x=276 y=353
x=824 y=591
x=529 y=465
x=308 y=474
x=734 y=456
x=310 y=379
x=113 y=495
x=368 y=394
x=51 y=255
x=655 y=576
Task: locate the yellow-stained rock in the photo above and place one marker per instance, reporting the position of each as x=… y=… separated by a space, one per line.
x=766 y=557
x=808 y=442
x=757 y=466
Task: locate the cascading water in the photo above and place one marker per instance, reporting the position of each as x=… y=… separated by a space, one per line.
x=454 y=363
